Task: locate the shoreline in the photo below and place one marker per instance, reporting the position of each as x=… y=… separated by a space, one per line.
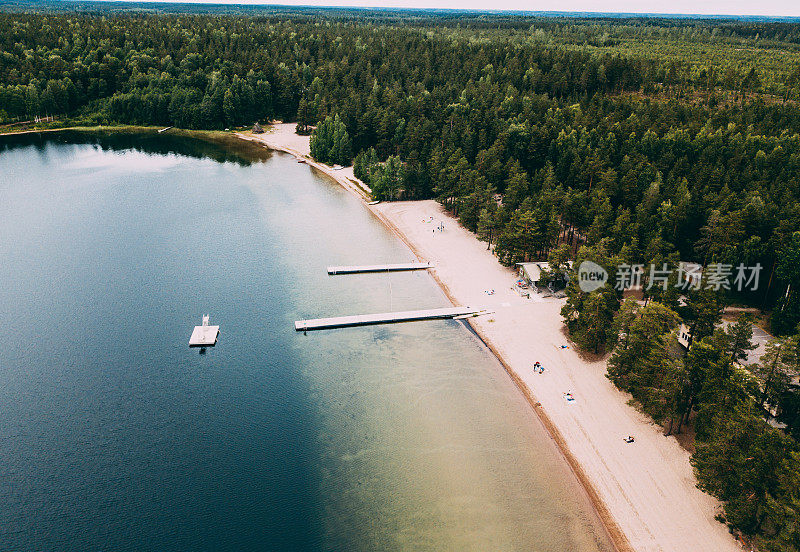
x=707 y=535
x=281 y=137
x=609 y=525
x=95 y=128
x=644 y=495
x=221 y=138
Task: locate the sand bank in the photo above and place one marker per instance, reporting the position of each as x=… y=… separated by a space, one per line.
x=282 y=137
x=644 y=491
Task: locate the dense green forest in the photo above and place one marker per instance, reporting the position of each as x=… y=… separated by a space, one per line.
x=617 y=140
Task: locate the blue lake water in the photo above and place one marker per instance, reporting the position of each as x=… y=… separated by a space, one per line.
x=116 y=436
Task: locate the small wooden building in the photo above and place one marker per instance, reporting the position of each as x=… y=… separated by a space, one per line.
x=531 y=273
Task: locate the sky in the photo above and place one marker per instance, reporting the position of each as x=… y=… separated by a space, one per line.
x=704 y=7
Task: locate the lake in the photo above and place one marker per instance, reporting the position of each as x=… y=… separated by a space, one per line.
x=116 y=436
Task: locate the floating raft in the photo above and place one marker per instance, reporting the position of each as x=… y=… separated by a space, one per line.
x=377 y=268
x=384 y=318
x=205 y=335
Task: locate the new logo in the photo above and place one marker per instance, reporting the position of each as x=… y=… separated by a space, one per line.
x=591 y=276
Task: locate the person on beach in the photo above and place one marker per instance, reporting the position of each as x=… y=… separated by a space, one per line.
x=629 y=439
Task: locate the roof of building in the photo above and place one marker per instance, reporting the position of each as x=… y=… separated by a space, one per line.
x=533 y=270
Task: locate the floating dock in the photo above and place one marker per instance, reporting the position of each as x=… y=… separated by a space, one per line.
x=384 y=318
x=204 y=335
x=377 y=268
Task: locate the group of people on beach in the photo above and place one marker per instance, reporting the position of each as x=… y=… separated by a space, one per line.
x=439 y=227
x=538 y=366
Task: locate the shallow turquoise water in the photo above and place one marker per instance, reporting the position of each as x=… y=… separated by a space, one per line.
x=114 y=435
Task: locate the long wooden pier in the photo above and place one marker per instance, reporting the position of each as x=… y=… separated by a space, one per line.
x=383 y=318
x=377 y=268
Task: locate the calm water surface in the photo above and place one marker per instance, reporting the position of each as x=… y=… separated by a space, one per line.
x=115 y=436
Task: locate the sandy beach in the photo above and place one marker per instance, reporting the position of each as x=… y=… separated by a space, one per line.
x=644 y=491
x=282 y=137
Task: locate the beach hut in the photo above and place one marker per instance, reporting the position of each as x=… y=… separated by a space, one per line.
x=531 y=273
x=257 y=129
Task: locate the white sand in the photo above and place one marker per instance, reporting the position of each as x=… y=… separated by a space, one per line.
x=282 y=137
x=647 y=487
x=644 y=491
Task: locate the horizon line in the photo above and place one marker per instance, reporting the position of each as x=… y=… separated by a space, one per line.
x=546 y=13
